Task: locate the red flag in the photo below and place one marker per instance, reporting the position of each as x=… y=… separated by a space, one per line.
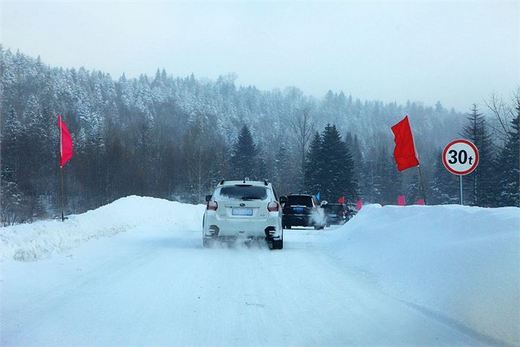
x=359 y=204
x=341 y=200
x=404 y=152
x=65 y=143
x=420 y=202
x=401 y=200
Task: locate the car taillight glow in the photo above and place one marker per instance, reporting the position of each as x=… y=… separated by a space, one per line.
x=273 y=206
x=212 y=206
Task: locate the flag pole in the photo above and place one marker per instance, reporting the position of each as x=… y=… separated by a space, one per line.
x=61 y=168
x=62 y=216
x=421 y=182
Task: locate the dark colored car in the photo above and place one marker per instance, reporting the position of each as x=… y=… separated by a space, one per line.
x=302 y=210
x=336 y=213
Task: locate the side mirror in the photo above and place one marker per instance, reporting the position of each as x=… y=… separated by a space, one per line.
x=283 y=199
x=208 y=198
x=323 y=203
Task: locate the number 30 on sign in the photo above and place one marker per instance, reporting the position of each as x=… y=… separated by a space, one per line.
x=460 y=157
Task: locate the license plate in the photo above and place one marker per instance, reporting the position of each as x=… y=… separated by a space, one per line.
x=242 y=211
x=298 y=209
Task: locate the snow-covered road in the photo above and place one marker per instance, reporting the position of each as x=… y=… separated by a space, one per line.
x=133 y=272
x=163 y=288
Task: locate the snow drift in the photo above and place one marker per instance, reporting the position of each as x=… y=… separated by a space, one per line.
x=28 y=242
x=456 y=263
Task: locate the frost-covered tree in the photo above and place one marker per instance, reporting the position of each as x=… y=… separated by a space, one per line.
x=329 y=167
x=244 y=157
x=139 y=136
x=509 y=162
x=314 y=166
x=337 y=173
x=480 y=185
x=354 y=148
x=445 y=185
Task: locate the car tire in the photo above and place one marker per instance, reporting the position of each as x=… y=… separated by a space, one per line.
x=207 y=242
x=276 y=244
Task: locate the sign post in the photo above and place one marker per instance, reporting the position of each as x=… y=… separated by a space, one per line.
x=460 y=157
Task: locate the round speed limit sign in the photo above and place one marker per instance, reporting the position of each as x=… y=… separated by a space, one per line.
x=460 y=157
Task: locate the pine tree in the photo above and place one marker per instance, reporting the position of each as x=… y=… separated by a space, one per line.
x=314 y=166
x=387 y=180
x=283 y=173
x=337 y=175
x=243 y=159
x=263 y=166
x=445 y=185
x=132 y=135
x=197 y=158
x=368 y=179
x=329 y=167
x=357 y=159
x=480 y=185
x=509 y=162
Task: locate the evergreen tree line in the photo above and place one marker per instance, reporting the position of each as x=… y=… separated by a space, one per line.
x=175 y=138
x=495 y=181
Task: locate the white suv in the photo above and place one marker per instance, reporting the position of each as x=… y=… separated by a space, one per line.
x=243 y=210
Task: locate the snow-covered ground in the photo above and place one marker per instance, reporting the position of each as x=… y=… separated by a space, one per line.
x=134 y=273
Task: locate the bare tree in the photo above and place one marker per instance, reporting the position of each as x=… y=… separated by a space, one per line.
x=503 y=113
x=303 y=129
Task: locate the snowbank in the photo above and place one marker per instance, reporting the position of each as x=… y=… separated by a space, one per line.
x=455 y=263
x=26 y=242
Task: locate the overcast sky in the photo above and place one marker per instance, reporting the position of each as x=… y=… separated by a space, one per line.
x=455 y=52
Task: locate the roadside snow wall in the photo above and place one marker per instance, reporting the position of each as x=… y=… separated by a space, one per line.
x=456 y=263
x=28 y=242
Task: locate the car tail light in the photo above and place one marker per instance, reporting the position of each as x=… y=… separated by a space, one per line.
x=212 y=205
x=273 y=206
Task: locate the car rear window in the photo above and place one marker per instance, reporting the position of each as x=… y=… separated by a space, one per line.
x=244 y=192
x=299 y=200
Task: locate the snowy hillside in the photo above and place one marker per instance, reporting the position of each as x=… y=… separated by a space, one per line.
x=417 y=275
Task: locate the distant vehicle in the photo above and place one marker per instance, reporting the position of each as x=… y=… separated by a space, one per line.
x=352 y=210
x=336 y=213
x=302 y=210
x=243 y=210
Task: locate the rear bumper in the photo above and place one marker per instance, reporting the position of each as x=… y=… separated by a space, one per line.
x=227 y=228
x=297 y=219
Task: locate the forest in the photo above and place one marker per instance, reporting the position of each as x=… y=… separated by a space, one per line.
x=176 y=137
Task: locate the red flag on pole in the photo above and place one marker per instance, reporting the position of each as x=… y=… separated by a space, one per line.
x=401 y=201
x=341 y=200
x=359 y=204
x=404 y=152
x=65 y=143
